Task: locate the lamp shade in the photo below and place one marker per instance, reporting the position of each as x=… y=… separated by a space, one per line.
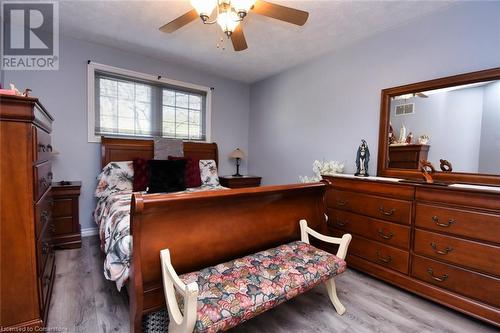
x=237 y=153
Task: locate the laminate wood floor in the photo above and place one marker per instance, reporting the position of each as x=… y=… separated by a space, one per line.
x=84 y=301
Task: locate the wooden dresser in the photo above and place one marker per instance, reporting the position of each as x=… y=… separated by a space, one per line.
x=407 y=156
x=65 y=217
x=438 y=242
x=240 y=182
x=26 y=255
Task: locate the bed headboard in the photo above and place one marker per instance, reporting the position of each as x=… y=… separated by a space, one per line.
x=114 y=150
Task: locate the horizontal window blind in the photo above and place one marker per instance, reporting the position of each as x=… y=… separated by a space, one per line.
x=126 y=106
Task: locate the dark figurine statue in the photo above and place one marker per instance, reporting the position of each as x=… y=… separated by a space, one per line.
x=362 y=159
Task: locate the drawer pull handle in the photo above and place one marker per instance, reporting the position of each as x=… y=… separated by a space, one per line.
x=385 y=236
x=342 y=203
x=436 y=221
x=44 y=216
x=436 y=278
x=41 y=148
x=441 y=252
x=342 y=223
x=386 y=213
x=385 y=260
x=44 y=182
x=45 y=248
x=49 y=148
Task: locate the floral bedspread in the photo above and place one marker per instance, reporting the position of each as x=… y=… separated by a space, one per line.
x=112 y=215
x=238 y=290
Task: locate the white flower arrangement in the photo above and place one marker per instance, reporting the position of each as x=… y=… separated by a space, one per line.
x=323 y=168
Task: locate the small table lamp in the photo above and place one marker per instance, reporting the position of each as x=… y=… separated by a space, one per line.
x=238 y=154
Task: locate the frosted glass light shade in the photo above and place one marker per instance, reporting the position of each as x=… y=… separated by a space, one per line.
x=228 y=21
x=237 y=153
x=204 y=7
x=242 y=5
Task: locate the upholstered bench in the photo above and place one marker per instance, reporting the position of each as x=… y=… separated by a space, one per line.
x=220 y=297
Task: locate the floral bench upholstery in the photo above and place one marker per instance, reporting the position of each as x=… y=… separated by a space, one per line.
x=220 y=297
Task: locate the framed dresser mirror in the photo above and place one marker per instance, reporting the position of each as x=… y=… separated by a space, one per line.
x=451 y=122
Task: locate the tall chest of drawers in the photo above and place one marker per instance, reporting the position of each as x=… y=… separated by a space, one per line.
x=26 y=255
x=438 y=242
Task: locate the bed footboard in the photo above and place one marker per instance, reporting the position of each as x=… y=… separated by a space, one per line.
x=206 y=228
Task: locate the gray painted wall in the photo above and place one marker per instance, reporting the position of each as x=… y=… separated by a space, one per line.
x=322 y=109
x=490 y=133
x=452 y=120
x=63 y=93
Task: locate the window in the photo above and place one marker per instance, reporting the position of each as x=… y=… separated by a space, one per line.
x=125 y=103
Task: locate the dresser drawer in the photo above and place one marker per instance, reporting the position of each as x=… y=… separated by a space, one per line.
x=460 y=222
x=43 y=248
x=42 y=147
x=474 y=255
x=63 y=225
x=46 y=280
x=384 y=232
x=63 y=207
x=386 y=256
x=43 y=211
x=43 y=178
x=379 y=207
x=475 y=285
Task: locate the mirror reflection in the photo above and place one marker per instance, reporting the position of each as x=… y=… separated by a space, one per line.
x=459 y=124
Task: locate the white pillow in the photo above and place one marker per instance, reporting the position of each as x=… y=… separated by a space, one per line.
x=208 y=173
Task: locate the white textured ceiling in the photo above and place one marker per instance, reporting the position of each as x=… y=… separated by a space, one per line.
x=274 y=46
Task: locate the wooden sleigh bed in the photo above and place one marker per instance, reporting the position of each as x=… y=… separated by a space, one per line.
x=205 y=228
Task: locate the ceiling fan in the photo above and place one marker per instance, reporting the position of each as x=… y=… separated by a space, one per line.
x=230 y=13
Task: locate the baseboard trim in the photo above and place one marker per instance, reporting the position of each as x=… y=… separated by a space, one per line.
x=87 y=232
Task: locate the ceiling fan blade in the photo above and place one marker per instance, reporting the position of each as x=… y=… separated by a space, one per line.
x=282 y=13
x=238 y=39
x=180 y=22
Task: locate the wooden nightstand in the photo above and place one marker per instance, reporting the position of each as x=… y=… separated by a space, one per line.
x=239 y=182
x=65 y=215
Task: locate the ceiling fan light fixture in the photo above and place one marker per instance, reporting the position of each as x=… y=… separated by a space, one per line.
x=242 y=7
x=204 y=8
x=228 y=21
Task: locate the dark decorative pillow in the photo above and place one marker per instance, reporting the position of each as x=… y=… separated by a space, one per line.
x=166 y=176
x=192 y=176
x=141 y=174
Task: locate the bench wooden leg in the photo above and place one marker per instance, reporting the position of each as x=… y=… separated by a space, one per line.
x=180 y=322
x=332 y=292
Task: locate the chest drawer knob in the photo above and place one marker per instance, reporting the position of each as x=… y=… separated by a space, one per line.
x=342 y=203
x=441 y=252
x=44 y=182
x=441 y=278
x=45 y=248
x=389 y=212
x=444 y=225
x=42 y=148
x=341 y=223
x=384 y=235
x=45 y=216
x=383 y=259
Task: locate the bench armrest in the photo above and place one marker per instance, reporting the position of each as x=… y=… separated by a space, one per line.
x=189 y=292
x=343 y=242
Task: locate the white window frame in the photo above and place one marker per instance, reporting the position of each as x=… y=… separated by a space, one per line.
x=92 y=67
